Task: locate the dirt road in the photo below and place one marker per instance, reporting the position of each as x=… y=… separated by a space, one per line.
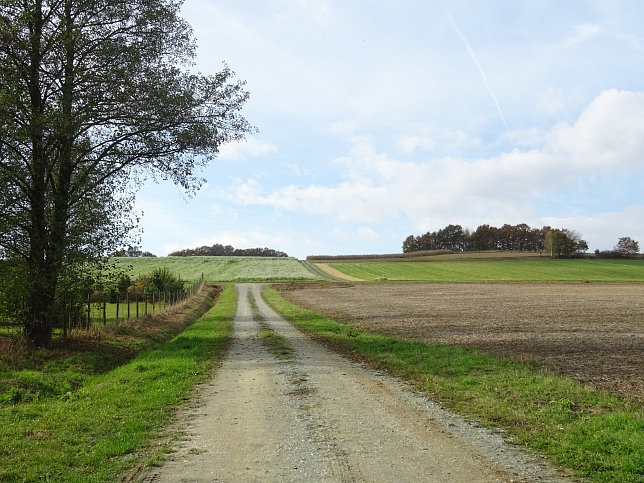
x=320 y=417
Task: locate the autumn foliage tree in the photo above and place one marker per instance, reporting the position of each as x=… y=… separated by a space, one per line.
x=563 y=243
x=95 y=96
x=627 y=246
x=558 y=242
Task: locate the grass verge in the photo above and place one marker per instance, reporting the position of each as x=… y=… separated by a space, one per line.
x=276 y=344
x=95 y=432
x=594 y=434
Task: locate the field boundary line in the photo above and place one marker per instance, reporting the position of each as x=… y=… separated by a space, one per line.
x=334 y=273
x=316 y=270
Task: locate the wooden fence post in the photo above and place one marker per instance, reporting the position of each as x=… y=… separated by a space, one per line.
x=88 y=309
x=68 y=322
x=104 y=309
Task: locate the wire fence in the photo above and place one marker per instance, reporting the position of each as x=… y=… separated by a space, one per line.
x=103 y=308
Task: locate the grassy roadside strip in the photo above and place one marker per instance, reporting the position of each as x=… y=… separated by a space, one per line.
x=596 y=435
x=94 y=433
x=276 y=344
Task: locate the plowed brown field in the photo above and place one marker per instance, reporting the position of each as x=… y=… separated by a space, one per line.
x=593 y=333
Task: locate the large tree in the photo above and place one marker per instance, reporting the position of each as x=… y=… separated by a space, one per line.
x=95 y=96
x=627 y=246
x=563 y=243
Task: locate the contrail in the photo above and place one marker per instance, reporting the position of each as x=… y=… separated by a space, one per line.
x=476 y=61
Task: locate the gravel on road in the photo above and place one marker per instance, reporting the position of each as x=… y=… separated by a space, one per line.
x=321 y=417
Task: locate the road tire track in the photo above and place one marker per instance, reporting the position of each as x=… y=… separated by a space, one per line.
x=320 y=417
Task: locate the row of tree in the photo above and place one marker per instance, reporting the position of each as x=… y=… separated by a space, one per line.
x=159 y=281
x=626 y=247
x=132 y=252
x=218 y=250
x=521 y=237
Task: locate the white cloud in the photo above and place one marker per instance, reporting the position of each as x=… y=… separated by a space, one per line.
x=298 y=169
x=607 y=137
x=410 y=144
x=169 y=248
x=531 y=137
x=583 y=32
x=347 y=201
x=344 y=127
x=359 y=233
x=552 y=101
x=248 y=148
x=602 y=230
x=319 y=9
x=252 y=238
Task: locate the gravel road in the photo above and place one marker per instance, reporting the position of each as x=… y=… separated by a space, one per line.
x=320 y=417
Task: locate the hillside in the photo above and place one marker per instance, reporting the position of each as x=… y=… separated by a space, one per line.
x=221 y=269
x=489 y=267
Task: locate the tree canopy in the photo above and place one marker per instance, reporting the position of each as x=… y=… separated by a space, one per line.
x=558 y=242
x=95 y=97
x=218 y=249
x=627 y=246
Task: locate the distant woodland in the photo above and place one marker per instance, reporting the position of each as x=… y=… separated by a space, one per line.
x=557 y=242
x=218 y=250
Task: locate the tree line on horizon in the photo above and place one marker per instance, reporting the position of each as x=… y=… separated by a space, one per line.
x=557 y=242
x=219 y=250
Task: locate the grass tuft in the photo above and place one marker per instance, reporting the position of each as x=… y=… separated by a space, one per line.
x=276 y=344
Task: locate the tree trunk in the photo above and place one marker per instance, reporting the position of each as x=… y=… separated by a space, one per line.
x=39 y=317
x=39 y=324
x=48 y=245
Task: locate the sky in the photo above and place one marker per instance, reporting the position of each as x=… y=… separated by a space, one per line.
x=379 y=119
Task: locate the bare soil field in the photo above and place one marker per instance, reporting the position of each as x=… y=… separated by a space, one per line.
x=593 y=333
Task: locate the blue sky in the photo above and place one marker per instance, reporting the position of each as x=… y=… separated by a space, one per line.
x=380 y=119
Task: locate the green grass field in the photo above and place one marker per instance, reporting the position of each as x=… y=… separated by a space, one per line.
x=221 y=269
x=490 y=270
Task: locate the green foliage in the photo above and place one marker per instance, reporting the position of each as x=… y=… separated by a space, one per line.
x=219 y=250
x=164 y=281
x=13 y=288
x=95 y=97
x=563 y=243
x=595 y=434
x=157 y=281
x=482 y=270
